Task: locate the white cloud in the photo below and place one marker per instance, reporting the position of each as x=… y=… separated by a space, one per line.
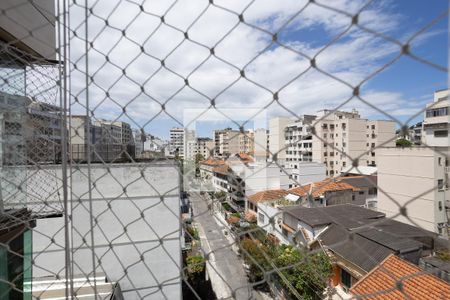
x=351 y=58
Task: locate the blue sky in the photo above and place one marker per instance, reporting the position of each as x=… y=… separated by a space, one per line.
x=401 y=90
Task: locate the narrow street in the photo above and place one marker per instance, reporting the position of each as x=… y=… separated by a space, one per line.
x=225 y=268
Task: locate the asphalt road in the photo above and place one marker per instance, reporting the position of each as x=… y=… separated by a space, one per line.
x=230 y=280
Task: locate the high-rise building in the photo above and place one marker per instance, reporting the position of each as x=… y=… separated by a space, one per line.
x=298 y=141
x=80 y=135
x=378 y=134
x=177 y=141
x=247 y=141
x=436 y=121
x=414 y=185
x=31 y=131
x=116 y=142
x=342 y=137
x=227 y=142
x=415 y=180
x=277 y=144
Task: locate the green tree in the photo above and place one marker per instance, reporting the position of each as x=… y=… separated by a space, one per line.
x=198 y=158
x=309 y=273
x=403 y=143
x=255 y=257
x=305 y=273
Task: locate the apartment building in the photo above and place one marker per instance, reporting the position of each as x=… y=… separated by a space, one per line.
x=227 y=142
x=80 y=136
x=378 y=134
x=31 y=131
x=116 y=140
x=436 y=121
x=205 y=146
x=414 y=180
x=343 y=136
x=108 y=140
x=201 y=145
x=277 y=144
x=179 y=138
x=247 y=141
x=414 y=185
x=298 y=141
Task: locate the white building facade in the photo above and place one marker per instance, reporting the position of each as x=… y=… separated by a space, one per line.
x=298 y=141
x=413 y=185
x=340 y=137
x=436 y=121
x=277 y=145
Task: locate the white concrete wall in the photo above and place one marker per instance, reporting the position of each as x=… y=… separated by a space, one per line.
x=276 y=137
x=270 y=211
x=307 y=173
x=407 y=177
x=131 y=222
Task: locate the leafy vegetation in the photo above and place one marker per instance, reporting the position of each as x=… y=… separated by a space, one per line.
x=443 y=255
x=306 y=273
x=403 y=143
x=221 y=196
x=236 y=214
x=193 y=232
x=195 y=268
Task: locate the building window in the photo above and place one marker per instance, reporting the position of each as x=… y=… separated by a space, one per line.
x=440 y=184
x=261 y=217
x=346 y=279
x=437 y=112
x=441 y=133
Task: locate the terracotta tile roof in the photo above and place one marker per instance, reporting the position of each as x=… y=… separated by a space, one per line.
x=268 y=195
x=213 y=162
x=244 y=157
x=393 y=274
x=250 y=216
x=319 y=188
x=233 y=219
x=222 y=170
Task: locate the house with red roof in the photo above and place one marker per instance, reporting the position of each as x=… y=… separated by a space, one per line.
x=398 y=279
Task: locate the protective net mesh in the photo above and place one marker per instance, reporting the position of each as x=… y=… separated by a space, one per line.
x=95 y=205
